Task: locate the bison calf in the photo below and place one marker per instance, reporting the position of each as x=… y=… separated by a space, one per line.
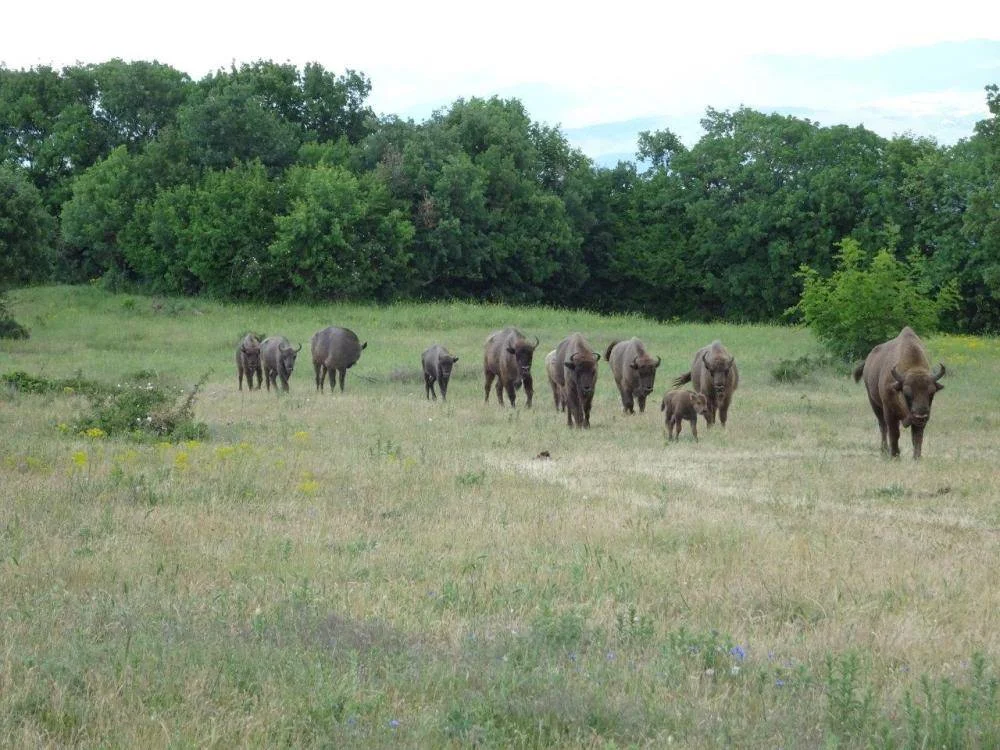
x=248 y=360
x=681 y=405
x=334 y=350
x=577 y=377
x=279 y=361
x=437 y=364
x=634 y=370
x=900 y=388
x=714 y=374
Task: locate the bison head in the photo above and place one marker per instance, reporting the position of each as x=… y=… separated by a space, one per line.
x=645 y=370
x=445 y=363
x=700 y=404
x=718 y=369
x=918 y=388
x=584 y=372
x=523 y=353
x=288 y=356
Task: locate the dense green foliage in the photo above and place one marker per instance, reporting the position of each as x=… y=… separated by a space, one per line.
x=269 y=182
x=857 y=307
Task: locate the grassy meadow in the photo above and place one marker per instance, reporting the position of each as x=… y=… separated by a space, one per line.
x=371 y=568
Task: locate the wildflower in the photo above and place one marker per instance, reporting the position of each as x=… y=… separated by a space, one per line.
x=80 y=458
x=301 y=436
x=394 y=723
x=738 y=653
x=779 y=682
x=181 y=461
x=95 y=432
x=309 y=487
x=62 y=427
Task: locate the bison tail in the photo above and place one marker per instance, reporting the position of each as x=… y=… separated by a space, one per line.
x=858 y=372
x=685 y=378
x=607 y=352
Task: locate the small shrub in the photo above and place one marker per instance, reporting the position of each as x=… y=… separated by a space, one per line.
x=10 y=328
x=857 y=307
x=794 y=370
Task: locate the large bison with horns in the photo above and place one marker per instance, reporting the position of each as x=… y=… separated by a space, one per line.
x=634 y=370
x=507 y=359
x=715 y=374
x=900 y=388
x=577 y=377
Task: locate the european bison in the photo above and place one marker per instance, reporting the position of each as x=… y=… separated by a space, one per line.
x=680 y=405
x=713 y=373
x=634 y=370
x=248 y=360
x=551 y=363
x=507 y=358
x=577 y=377
x=437 y=363
x=279 y=360
x=334 y=350
x=900 y=388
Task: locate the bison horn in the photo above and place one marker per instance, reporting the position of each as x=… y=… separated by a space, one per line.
x=536 y=343
x=657 y=362
x=299 y=349
x=940 y=372
x=896 y=376
x=596 y=356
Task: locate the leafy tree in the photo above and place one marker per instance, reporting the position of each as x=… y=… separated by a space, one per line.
x=858 y=307
x=339 y=238
x=26 y=232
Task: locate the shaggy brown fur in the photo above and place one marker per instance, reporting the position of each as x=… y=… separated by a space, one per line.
x=248 y=361
x=507 y=358
x=634 y=370
x=551 y=364
x=900 y=388
x=437 y=363
x=713 y=373
x=680 y=405
x=278 y=358
x=334 y=350
x=577 y=377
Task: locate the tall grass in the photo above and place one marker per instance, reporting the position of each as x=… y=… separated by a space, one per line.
x=371 y=568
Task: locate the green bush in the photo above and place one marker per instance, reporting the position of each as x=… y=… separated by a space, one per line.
x=858 y=307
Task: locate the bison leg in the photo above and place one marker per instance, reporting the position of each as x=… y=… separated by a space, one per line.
x=429 y=386
x=694 y=427
x=642 y=404
x=723 y=410
x=893 y=425
x=343 y=374
x=529 y=390
x=671 y=424
x=586 y=413
x=917 y=433
x=443 y=385
x=318 y=369
x=240 y=374
x=628 y=404
x=511 y=393
x=489 y=384
x=259 y=378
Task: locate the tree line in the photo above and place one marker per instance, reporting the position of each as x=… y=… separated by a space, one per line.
x=272 y=183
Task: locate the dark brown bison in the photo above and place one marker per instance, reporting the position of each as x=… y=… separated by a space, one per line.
x=551 y=363
x=248 y=360
x=334 y=350
x=900 y=388
x=715 y=374
x=507 y=359
x=634 y=370
x=278 y=357
x=437 y=363
x=577 y=377
x=680 y=405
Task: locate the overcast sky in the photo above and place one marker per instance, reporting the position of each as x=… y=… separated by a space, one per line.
x=573 y=64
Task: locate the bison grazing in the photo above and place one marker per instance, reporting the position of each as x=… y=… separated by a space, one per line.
x=634 y=370
x=248 y=360
x=507 y=358
x=437 y=363
x=900 y=388
x=577 y=377
x=279 y=360
x=334 y=350
x=713 y=373
x=681 y=405
x=551 y=364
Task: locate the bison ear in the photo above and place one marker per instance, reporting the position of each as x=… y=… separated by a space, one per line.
x=454 y=360
x=364 y=345
x=938 y=386
x=635 y=363
x=510 y=349
x=570 y=365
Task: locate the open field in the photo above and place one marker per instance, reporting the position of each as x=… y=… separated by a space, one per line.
x=373 y=569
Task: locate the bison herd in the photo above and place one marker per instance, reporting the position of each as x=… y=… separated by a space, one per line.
x=897 y=375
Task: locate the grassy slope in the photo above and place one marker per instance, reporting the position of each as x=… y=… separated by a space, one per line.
x=326 y=566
